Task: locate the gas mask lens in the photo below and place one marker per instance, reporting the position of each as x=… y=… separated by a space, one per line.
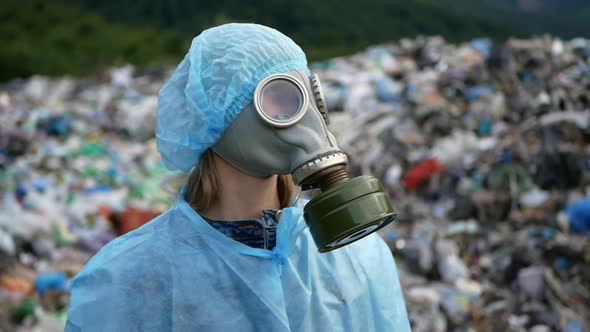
x=280 y=100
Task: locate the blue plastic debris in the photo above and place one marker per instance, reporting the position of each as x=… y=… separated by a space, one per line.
x=56 y=281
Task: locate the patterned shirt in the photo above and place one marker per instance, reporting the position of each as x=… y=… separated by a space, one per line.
x=256 y=233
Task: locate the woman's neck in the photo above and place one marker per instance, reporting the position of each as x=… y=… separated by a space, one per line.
x=241 y=196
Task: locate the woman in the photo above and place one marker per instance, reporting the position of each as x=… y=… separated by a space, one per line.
x=234 y=253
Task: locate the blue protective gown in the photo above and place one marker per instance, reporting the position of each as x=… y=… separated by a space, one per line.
x=177 y=273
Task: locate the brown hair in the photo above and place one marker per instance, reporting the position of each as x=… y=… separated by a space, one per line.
x=203 y=185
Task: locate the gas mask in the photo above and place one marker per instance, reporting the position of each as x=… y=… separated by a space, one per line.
x=284 y=131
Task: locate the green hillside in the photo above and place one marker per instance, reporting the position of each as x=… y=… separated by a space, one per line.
x=324 y=28
x=80 y=36
x=564 y=18
x=39 y=37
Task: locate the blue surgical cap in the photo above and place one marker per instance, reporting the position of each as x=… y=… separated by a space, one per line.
x=213 y=83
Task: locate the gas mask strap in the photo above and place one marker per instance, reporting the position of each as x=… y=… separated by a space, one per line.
x=320 y=100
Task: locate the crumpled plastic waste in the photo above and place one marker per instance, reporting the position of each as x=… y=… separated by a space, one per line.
x=75 y=157
x=578 y=216
x=483 y=148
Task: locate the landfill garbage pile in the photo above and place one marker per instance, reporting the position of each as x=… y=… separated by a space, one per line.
x=78 y=167
x=484 y=150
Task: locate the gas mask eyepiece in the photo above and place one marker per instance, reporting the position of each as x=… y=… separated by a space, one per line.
x=281 y=100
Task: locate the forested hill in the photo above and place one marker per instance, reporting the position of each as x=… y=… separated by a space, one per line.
x=563 y=18
x=78 y=36
x=356 y=22
x=49 y=38
x=324 y=28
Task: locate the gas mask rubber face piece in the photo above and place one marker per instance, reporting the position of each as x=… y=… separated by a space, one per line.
x=284 y=131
